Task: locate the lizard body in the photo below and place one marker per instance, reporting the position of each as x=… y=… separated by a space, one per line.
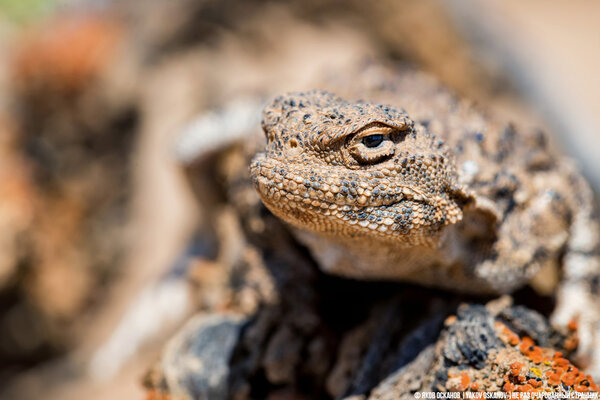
x=430 y=190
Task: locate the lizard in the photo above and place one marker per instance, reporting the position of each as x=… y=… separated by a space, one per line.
x=437 y=193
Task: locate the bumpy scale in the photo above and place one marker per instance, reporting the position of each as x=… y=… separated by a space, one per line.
x=475 y=207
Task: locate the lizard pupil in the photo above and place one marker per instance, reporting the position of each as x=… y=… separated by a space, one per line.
x=372 y=140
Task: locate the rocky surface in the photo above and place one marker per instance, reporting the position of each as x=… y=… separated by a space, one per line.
x=492 y=348
x=496 y=347
x=196 y=362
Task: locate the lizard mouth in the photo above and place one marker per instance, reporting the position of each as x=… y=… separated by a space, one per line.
x=276 y=183
x=306 y=196
x=332 y=205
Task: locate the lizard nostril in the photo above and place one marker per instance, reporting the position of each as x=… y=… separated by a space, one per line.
x=293 y=143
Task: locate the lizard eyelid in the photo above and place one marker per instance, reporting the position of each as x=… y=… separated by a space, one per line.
x=372 y=149
x=368 y=126
x=375 y=139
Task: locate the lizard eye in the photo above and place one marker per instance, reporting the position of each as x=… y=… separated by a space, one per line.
x=372 y=141
x=372 y=145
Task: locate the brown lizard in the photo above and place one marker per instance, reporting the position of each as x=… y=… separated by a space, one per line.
x=450 y=199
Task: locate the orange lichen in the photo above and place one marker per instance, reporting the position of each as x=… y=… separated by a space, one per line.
x=465 y=380
x=568 y=379
x=553 y=371
x=515 y=368
x=572 y=342
x=585 y=385
x=529 y=349
x=553 y=378
x=450 y=320
x=525 y=388
x=506 y=335
x=535 y=383
x=564 y=373
x=461 y=382
x=530 y=368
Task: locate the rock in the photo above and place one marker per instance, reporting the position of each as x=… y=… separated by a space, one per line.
x=481 y=350
x=195 y=362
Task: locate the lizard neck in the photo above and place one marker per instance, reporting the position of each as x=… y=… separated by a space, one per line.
x=444 y=266
x=367 y=258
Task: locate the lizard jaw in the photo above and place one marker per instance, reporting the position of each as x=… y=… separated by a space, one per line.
x=327 y=206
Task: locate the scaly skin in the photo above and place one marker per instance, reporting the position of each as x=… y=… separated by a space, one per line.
x=456 y=201
x=381 y=189
x=319 y=175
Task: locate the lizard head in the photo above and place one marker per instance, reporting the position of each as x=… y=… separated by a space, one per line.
x=355 y=170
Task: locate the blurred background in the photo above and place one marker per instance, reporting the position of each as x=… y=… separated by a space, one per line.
x=94 y=204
